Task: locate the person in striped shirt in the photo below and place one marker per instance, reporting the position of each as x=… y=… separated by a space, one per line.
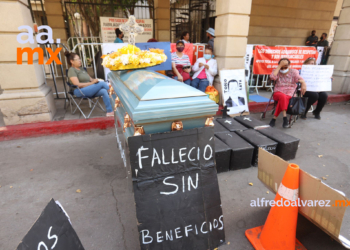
x=181 y=63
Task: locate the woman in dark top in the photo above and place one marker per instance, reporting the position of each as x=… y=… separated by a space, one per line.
x=86 y=85
x=312 y=97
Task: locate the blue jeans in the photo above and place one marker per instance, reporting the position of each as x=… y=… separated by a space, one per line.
x=188 y=81
x=200 y=84
x=97 y=89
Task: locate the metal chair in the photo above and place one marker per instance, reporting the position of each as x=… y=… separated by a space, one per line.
x=292 y=118
x=93 y=101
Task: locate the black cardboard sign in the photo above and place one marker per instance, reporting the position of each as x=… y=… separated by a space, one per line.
x=176 y=190
x=52 y=230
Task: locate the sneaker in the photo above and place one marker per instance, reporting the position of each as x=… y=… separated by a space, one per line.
x=285 y=122
x=303 y=116
x=317 y=115
x=272 y=122
x=110 y=114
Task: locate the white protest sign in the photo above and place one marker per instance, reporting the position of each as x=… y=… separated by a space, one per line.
x=247 y=60
x=109 y=24
x=317 y=77
x=233 y=90
x=108 y=48
x=320 y=55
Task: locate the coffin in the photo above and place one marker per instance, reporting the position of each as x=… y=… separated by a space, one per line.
x=218 y=128
x=241 y=150
x=150 y=102
x=230 y=124
x=258 y=140
x=287 y=144
x=251 y=122
x=222 y=156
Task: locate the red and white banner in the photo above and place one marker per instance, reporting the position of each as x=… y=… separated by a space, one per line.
x=266 y=57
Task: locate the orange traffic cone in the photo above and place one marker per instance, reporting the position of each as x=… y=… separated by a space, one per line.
x=279 y=230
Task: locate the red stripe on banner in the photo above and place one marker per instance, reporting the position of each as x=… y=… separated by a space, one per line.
x=266 y=57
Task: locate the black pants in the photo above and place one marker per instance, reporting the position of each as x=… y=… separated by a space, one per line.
x=320 y=97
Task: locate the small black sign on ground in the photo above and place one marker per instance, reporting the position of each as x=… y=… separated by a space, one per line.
x=52 y=230
x=176 y=190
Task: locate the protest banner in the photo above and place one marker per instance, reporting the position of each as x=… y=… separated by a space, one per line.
x=247 y=60
x=266 y=57
x=52 y=230
x=233 y=90
x=109 y=24
x=317 y=77
x=176 y=190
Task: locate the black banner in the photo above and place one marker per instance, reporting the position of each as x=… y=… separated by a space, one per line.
x=52 y=230
x=177 y=196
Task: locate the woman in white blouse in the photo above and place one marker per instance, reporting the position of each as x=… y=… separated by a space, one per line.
x=205 y=69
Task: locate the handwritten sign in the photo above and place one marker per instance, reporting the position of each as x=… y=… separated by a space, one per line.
x=317 y=77
x=109 y=24
x=234 y=90
x=176 y=190
x=52 y=230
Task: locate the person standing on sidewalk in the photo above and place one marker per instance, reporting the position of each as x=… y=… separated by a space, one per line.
x=86 y=86
x=312 y=40
x=211 y=36
x=286 y=80
x=320 y=97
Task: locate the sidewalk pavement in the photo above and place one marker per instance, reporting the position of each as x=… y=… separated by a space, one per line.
x=34 y=170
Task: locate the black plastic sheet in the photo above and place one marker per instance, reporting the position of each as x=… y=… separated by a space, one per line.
x=176 y=190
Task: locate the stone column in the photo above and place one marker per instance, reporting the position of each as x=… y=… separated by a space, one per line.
x=55 y=19
x=162 y=20
x=231 y=32
x=24 y=97
x=340 y=52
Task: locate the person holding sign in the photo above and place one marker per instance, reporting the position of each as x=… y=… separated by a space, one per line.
x=286 y=80
x=205 y=69
x=320 y=97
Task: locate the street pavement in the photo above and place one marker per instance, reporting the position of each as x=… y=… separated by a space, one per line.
x=35 y=170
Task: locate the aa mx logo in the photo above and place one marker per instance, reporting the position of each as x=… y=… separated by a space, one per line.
x=30 y=52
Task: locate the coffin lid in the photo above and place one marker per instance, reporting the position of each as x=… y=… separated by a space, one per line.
x=147 y=85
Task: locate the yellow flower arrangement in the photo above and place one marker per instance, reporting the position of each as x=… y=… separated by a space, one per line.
x=131 y=57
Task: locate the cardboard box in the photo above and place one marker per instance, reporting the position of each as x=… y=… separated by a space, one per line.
x=241 y=151
x=258 y=140
x=222 y=156
x=287 y=145
x=231 y=125
x=333 y=220
x=218 y=128
x=251 y=122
